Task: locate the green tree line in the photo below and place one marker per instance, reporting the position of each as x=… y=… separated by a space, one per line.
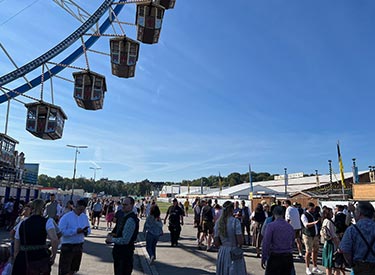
x=144 y=187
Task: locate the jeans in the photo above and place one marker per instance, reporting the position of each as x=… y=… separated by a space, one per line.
x=151 y=241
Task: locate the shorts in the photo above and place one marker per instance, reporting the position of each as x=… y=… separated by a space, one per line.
x=70 y=258
x=311 y=243
x=97 y=214
x=297 y=233
x=208 y=227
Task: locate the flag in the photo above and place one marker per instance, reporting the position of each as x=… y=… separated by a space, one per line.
x=220 y=185
x=341 y=166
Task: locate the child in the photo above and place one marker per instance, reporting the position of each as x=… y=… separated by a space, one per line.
x=5 y=264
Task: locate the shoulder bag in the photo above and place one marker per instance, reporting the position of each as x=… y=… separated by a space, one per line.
x=237 y=252
x=325 y=233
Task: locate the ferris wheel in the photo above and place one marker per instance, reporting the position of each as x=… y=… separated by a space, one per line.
x=44 y=119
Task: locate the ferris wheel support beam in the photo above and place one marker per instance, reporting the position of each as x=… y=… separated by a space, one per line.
x=70 y=6
x=67 y=4
x=57 y=50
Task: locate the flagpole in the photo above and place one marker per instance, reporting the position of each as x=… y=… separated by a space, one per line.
x=251 y=189
x=220 y=185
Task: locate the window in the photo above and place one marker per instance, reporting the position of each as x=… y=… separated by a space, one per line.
x=132 y=53
x=78 y=86
x=115 y=51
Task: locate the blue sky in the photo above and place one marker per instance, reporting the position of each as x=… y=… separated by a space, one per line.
x=272 y=83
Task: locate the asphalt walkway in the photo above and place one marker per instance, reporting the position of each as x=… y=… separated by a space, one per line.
x=186 y=259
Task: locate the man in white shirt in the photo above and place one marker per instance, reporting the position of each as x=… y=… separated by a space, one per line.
x=97 y=213
x=293 y=218
x=74 y=226
x=311 y=239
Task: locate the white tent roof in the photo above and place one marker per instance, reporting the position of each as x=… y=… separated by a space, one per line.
x=278 y=186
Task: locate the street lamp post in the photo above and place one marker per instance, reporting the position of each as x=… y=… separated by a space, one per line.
x=95 y=168
x=75 y=164
x=285 y=181
x=330 y=174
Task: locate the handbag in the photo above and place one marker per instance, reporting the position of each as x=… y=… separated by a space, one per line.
x=237 y=252
x=338 y=259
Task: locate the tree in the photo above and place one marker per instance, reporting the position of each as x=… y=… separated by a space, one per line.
x=234 y=179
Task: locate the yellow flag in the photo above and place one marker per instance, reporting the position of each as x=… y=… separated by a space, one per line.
x=341 y=166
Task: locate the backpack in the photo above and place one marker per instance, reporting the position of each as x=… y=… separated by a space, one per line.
x=340 y=222
x=207 y=213
x=325 y=233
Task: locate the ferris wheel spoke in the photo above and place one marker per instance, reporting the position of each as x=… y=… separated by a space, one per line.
x=66 y=43
x=11 y=60
x=98 y=52
x=133 y=2
x=116 y=20
x=75 y=10
x=56 y=69
x=66 y=66
x=64 y=78
x=80 y=14
x=15 y=92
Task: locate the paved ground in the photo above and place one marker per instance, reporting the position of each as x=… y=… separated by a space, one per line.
x=186 y=259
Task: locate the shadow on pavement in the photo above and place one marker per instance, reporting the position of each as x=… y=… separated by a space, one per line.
x=179 y=270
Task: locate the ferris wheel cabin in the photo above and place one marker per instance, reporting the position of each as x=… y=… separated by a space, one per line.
x=89 y=89
x=149 y=21
x=167 y=4
x=7 y=149
x=124 y=56
x=44 y=120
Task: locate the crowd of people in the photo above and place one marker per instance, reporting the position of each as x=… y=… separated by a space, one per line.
x=346 y=234
x=38 y=231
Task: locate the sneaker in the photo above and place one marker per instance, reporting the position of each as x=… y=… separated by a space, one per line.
x=308 y=271
x=316 y=270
